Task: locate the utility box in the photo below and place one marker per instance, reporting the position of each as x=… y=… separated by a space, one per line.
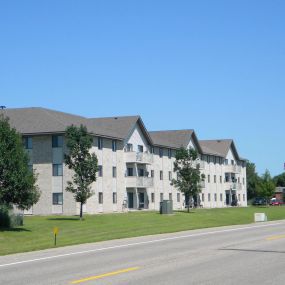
x=260 y=217
x=166 y=207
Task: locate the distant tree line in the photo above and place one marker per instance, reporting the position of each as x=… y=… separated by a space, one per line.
x=264 y=185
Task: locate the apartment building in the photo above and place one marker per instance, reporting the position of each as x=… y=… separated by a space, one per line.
x=135 y=165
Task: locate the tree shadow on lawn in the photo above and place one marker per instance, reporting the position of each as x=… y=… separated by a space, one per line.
x=14 y=230
x=64 y=219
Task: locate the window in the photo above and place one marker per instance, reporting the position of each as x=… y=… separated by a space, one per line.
x=243 y=181
x=215 y=179
x=221 y=197
x=243 y=197
x=100 y=170
x=114 y=198
x=28 y=142
x=57 y=170
x=100 y=143
x=152 y=173
x=100 y=197
x=151 y=149
x=140 y=172
x=114 y=145
x=215 y=159
x=161 y=175
x=169 y=152
x=57 y=199
x=239 y=197
x=221 y=179
x=169 y=175
x=208 y=158
x=232 y=161
x=130 y=171
x=57 y=141
x=114 y=171
x=226 y=162
x=140 y=148
x=170 y=196
x=203 y=197
x=152 y=197
x=215 y=197
x=178 y=197
x=129 y=147
x=209 y=180
x=238 y=180
x=161 y=197
x=160 y=152
x=209 y=197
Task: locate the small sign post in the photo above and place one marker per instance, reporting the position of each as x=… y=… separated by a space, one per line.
x=55 y=232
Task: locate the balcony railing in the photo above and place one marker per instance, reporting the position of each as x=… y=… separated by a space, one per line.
x=138 y=157
x=232 y=168
x=233 y=186
x=139 y=182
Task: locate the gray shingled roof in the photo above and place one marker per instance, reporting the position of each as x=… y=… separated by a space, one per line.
x=218 y=147
x=119 y=127
x=40 y=120
x=174 y=138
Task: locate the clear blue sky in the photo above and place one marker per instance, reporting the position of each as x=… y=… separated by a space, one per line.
x=215 y=66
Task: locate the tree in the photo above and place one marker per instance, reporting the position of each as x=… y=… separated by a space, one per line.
x=266 y=186
x=82 y=162
x=279 y=180
x=252 y=180
x=188 y=173
x=17 y=182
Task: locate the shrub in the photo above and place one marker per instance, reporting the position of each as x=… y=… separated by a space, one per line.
x=8 y=219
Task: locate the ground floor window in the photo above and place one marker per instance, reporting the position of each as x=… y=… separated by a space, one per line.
x=114 y=198
x=203 y=197
x=161 y=197
x=178 y=197
x=221 y=197
x=57 y=198
x=100 y=198
x=170 y=196
x=152 y=197
x=209 y=197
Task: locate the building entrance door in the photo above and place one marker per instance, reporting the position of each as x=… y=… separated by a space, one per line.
x=130 y=200
x=227 y=199
x=141 y=200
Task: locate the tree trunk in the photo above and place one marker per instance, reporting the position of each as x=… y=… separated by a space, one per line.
x=81 y=210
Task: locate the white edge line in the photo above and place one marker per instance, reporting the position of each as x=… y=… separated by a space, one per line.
x=136 y=243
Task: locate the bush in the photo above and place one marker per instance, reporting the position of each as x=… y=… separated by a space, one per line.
x=8 y=219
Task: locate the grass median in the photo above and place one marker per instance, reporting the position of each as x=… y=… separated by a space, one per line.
x=37 y=232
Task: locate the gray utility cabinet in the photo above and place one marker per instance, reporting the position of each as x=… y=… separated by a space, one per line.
x=166 y=207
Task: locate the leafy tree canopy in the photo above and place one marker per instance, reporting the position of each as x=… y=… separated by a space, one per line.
x=17 y=181
x=188 y=173
x=82 y=162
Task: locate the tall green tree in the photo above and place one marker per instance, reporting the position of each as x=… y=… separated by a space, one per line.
x=83 y=163
x=17 y=182
x=279 y=180
x=252 y=180
x=188 y=173
x=266 y=186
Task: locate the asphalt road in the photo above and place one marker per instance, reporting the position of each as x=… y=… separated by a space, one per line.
x=249 y=254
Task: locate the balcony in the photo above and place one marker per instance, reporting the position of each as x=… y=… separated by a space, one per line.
x=139 y=182
x=233 y=186
x=139 y=157
x=232 y=168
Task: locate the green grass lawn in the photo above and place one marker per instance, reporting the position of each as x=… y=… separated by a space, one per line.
x=37 y=231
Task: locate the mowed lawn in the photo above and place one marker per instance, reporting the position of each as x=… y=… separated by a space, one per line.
x=37 y=232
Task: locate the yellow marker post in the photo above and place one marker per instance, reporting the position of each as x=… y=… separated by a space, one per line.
x=55 y=232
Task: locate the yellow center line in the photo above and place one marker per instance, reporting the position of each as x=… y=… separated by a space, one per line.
x=276 y=237
x=105 y=275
